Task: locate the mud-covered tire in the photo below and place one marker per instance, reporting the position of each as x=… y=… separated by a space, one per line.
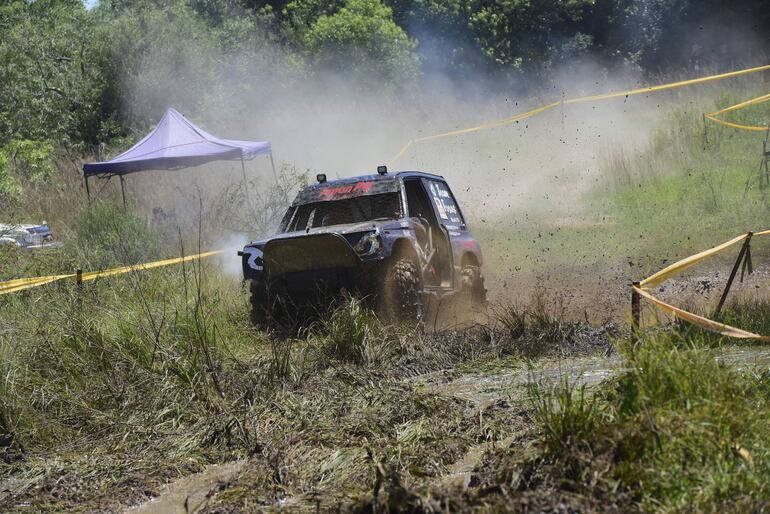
x=473 y=286
x=401 y=296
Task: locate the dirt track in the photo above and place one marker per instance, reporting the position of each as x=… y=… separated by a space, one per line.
x=603 y=294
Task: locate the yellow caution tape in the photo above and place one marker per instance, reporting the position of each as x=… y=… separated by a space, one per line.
x=713 y=326
x=670 y=85
x=679 y=266
x=25 y=283
x=21 y=284
x=754 y=101
x=592 y=98
x=753 y=128
x=93 y=275
x=498 y=123
x=742 y=105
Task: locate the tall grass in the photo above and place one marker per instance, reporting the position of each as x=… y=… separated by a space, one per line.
x=701 y=181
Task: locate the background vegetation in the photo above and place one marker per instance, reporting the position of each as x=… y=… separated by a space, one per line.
x=71 y=74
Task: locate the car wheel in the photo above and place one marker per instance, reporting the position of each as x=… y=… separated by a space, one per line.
x=401 y=297
x=473 y=286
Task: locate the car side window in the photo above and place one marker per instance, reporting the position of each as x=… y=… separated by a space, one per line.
x=445 y=203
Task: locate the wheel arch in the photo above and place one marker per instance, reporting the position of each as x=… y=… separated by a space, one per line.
x=470 y=258
x=404 y=248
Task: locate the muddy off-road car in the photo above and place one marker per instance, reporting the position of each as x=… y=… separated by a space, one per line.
x=399 y=240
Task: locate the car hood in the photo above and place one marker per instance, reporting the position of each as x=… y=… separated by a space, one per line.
x=350 y=228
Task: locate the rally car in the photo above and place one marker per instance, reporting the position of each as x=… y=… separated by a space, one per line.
x=27 y=236
x=399 y=240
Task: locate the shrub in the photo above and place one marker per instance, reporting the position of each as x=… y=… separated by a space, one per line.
x=107 y=234
x=24 y=162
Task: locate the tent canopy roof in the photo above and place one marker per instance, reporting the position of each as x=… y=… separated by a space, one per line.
x=176 y=143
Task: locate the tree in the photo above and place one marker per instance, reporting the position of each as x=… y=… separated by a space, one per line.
x=49 y=70
x=362 y=36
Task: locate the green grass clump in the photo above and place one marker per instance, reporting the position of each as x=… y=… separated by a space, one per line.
x=693 y=431
x=353 y=333
x=675 y=430
x=567 y=414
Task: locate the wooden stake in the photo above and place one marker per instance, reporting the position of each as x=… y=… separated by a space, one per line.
x=636 y=313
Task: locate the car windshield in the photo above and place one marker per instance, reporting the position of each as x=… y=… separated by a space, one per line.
x=341 y=212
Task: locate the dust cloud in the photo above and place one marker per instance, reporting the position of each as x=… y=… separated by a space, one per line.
x=344 y=126
x=508 y=179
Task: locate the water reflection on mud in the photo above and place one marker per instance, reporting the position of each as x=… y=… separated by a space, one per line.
x=487 y=387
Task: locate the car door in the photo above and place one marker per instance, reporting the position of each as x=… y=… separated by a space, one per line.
x=451 y=220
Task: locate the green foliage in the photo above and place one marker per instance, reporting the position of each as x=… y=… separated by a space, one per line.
x=174 y=55
x=568 y=416
x=78 y=76
x=107 y=235
x=676 y=429
x=704 y=444
x=531 y=35
x=23 y=163
x=50 y=71
x=353 y=333
x=10 y=188
x=362 y=36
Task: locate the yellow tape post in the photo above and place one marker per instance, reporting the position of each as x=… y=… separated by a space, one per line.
x=592 y=98
x=21 y=284
x=680 y=266
x=754 y=101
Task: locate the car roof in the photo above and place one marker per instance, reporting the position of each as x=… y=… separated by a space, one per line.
x=386 y=176
x=386 y=182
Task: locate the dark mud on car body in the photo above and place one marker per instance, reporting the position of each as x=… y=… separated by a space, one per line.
x=402 y=232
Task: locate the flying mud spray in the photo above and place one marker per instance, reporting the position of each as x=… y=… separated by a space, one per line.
x=523 y=187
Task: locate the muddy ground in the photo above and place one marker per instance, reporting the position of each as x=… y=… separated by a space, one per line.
x=468 y=479
x=603 y=293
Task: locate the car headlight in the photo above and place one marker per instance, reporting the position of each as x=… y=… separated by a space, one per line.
x=368 y=245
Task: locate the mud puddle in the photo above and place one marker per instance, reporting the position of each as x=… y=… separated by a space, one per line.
x=190 y=493
x=744 y=358
x=486 y=388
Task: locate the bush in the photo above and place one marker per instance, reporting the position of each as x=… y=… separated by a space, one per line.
x=106 y=235
x=363 y=36
x=24 y=162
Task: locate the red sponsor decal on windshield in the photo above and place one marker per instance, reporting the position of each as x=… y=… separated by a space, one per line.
x=358 y=187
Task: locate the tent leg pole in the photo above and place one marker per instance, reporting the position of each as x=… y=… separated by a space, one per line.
x=88 y=191
x=246 y=190
x=123 y=191
x=275 y=176
x=272 y=164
